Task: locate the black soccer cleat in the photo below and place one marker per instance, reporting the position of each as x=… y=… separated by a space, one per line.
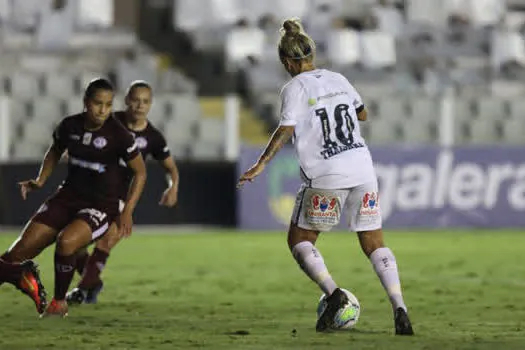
x=84 y=296
x=334 y=303
x=76 y=297
x=92 y=294
x=402 y=322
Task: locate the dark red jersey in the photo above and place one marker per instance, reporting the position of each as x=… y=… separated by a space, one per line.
x=94 y=172
x=150 y=142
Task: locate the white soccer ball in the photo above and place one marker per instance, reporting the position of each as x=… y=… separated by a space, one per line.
x=345 y=318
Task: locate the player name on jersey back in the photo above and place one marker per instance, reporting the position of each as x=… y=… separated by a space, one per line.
x=323 y=107
x=333 y=151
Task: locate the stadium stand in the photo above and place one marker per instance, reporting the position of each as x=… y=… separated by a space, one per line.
x=392 y=51
x=403 y=56
x=45 y=68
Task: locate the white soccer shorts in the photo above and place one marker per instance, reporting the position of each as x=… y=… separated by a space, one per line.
x=320 y=209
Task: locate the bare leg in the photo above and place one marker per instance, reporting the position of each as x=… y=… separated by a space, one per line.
x=32 y=241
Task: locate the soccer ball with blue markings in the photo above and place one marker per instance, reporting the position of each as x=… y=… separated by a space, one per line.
x=347 y=317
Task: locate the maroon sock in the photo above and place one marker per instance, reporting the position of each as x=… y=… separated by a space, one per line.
x=94 y=266
x=10 y=272
x=64 y=272
x=82 y=259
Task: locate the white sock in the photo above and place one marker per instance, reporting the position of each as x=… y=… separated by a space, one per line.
x=312 y=263
x=385 y=265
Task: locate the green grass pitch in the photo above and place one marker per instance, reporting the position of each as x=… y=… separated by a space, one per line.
x=465 y=290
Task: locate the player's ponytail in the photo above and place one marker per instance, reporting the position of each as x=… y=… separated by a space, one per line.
x=295 y=43
x=292 y=27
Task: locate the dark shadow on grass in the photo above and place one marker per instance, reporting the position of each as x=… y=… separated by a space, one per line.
x=240 y=332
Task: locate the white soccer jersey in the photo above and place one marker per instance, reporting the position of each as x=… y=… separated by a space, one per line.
x=322 y=106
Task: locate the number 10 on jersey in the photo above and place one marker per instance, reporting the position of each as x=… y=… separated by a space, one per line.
x=344 y=125
x=344 y=130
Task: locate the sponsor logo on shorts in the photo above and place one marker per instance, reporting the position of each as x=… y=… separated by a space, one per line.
x=323 y=206
x=323 y=203
x=323 y=210
x=95 y=215
x=370 y=204
x=100 y=142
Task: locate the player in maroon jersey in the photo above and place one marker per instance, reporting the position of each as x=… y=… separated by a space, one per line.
x=86 y=204
x=150 y=141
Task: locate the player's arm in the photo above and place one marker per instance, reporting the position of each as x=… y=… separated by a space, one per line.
x=53 y=154
x=49 y=163
x=279 y=138
x=161 y=152
x=130 y=153
x=294 y=103
x=137 y=166
x=51 y=159
x=170 y=195
x=65 y=157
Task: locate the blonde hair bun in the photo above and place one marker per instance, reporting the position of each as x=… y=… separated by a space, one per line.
x=295 y=43
x=292 y=26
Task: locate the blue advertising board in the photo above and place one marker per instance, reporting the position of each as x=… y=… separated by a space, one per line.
x=423 y=187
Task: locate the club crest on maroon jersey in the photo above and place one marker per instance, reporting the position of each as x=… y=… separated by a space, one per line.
x=100 y=142
x=141 y=142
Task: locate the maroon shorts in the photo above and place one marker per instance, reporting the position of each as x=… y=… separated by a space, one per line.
x=65 y=206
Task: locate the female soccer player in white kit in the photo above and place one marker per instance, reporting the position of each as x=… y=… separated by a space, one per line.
x=322 y=110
